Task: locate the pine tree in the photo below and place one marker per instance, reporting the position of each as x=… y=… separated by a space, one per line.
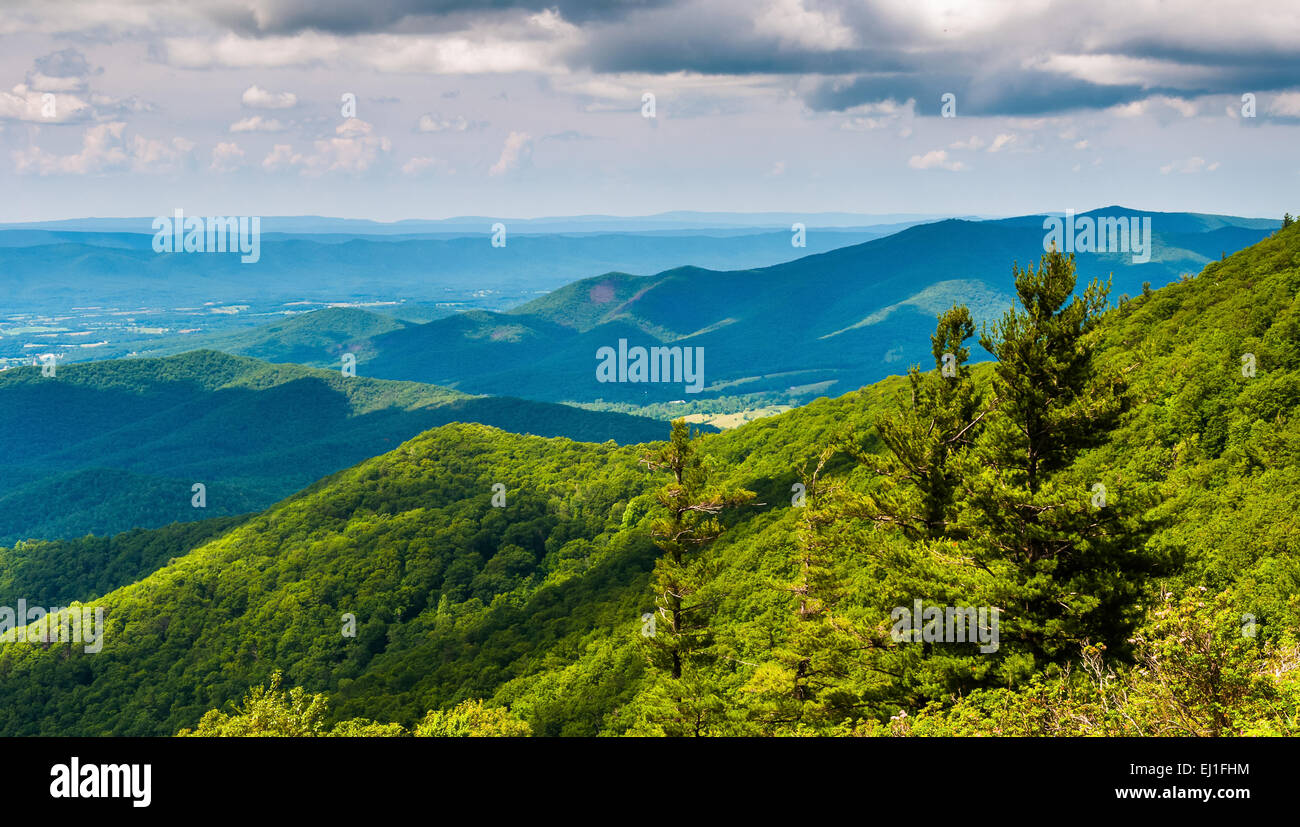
x=940 y=421
x=806 y=687
x=679 y=647
x=838 y=656
x=1065 y=564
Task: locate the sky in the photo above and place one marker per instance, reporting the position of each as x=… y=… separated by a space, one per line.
x=526 y=108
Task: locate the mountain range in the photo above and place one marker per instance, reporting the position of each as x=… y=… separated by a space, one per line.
x=821 y=324
x=57 y=270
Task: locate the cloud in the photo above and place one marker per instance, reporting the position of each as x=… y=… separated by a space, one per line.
x=105 y=148
x=57 y=91
x=108 y=107
x=86 y=19
x=1002 y=141
x=1051 y=58
x=45 y=83
x=151 y=155
x=24 y=104
x=257 y=124
x=280 y=157
x=1159 y=105
x=437 y=123
x=540 y=45
x=1188 y=166
x=307 y=49
x=1286 y=105
x=518 y=147
x=255 y=97
x=263 y=17
x=794 y=25
x=353 y=128
x=935 y=159
x=102 y=148
x=226 y=157
x=999 y=58
x=974 y=143
x=880 y=115
x=66 y=70
x=536 y=43
x=353 y=149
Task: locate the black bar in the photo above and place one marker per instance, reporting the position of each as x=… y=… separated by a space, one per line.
x=537 y=778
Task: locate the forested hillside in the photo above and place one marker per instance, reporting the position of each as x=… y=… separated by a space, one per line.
x=108 y=446
x=55 y=572
x=1120 y=484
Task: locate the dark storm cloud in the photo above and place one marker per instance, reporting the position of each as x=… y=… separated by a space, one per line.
x=1016 y=90
x=1002 y=93
x=1012 y=92
x=894 y=52
x=1254 y=66
x=1044 y=93
x=710 y=54
x=1256 y=55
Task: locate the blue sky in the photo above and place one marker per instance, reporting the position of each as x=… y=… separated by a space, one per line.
x=522 y=109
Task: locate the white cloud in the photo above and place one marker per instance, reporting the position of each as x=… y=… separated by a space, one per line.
x=1121 y=70
x=422 y=164
x=27 y=104
x=437 y=123
x=255 y=97
x=935 y=159
x=105 y=148
x=354 y=149
x=1002 y=141
x=281 y=156
x=1190 y=165
x=973 y=143
x=791 y=23
x=45 y=83
x=233 y=51
x=151 y=155
x=518 y=145
x=1285 y=104
x=535 y=43
x=102 y=149
x=886 y=113
x=1155 y=105
x=227 y=157
x=257 y=124
x=353 y=127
